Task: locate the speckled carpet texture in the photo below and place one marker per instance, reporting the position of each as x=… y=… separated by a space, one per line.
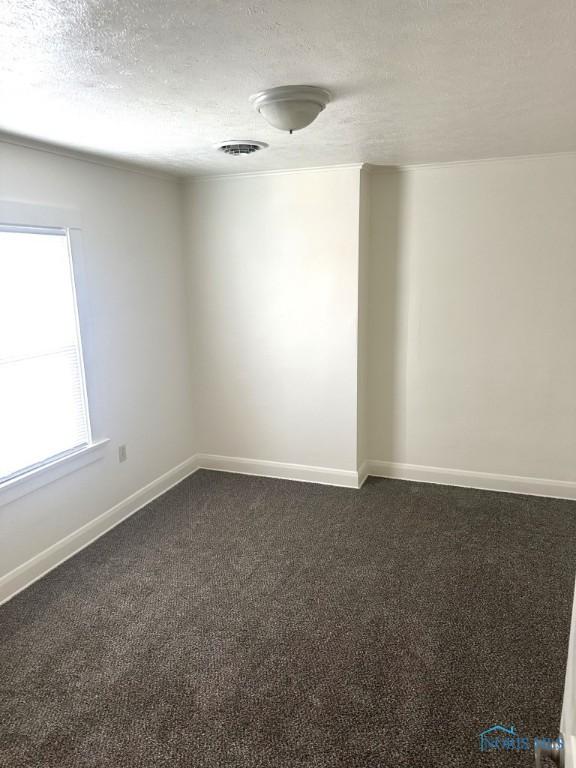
x=241 y=621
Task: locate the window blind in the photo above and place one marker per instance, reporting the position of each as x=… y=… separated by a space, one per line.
x=43 y=408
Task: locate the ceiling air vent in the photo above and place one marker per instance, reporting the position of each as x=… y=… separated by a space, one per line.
x=240 y=147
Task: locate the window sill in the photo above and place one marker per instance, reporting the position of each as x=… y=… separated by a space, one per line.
x=19 y=486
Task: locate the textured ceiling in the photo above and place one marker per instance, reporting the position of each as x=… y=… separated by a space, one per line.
x=414 y=81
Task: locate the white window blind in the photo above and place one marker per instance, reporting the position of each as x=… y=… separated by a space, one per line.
x=43 y=407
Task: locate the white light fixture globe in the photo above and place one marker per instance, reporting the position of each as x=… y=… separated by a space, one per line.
x=291 y=107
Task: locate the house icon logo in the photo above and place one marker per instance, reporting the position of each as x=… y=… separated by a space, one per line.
x=505 y=738
x=493 y=737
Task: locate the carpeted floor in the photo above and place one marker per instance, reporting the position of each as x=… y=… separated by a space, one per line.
x=243 y=621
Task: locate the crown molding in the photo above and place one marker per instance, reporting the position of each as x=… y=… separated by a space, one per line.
x=408 y=167
x=87 y=157
x=182 y=176
x=277 y=172
x=374 y=169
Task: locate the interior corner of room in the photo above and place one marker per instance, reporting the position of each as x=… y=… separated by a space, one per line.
x=438 y=345
x=410 y=322
x=324 y=322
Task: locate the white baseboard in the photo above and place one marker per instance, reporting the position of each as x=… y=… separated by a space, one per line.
x=300 y=472
x=532 y=486
x=27 y=573
x=363 y=473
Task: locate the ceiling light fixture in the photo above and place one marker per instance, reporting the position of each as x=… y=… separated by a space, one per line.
x=291 y=107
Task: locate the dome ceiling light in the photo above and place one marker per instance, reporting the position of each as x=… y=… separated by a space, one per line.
x=291 y=107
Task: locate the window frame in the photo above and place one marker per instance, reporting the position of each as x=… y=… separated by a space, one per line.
x=33 y=218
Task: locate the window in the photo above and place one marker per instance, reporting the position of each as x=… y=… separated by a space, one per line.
x=43 y=404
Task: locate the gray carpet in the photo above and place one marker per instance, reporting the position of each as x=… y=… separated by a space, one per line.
x=250 y=622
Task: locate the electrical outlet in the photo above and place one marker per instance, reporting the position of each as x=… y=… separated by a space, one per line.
x=122 y=454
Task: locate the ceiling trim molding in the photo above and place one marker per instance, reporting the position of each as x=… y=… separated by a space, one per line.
x=387 y=169
x=181 y=175
x=88 y=157
x=375 y=169
x=206 y=177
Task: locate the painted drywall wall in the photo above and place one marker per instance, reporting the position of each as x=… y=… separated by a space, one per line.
x=363 y=341
x=274 y=303
x=316 y=318
x=472 y=317
x=138 y=356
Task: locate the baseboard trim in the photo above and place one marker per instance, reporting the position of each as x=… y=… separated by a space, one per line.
x=363 y=473
x=38 y=566
x=531 y=486
x=281 y=470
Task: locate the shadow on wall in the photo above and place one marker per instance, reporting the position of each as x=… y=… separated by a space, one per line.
x=386 y=321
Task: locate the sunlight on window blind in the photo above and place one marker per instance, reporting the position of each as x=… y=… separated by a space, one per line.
x=42 y=396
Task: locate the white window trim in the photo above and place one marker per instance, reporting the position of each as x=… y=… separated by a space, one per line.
x=51 y=470
x=35 y=216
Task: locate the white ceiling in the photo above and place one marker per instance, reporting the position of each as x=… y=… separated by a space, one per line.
x=414 y=81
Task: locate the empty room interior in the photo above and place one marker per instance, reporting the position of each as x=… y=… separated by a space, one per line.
x=287 y=384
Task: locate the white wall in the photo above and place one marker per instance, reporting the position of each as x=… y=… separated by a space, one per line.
x=364 y=345
x=319 y=318
x=139 y=352
x=472 y=315
x=274 y=303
